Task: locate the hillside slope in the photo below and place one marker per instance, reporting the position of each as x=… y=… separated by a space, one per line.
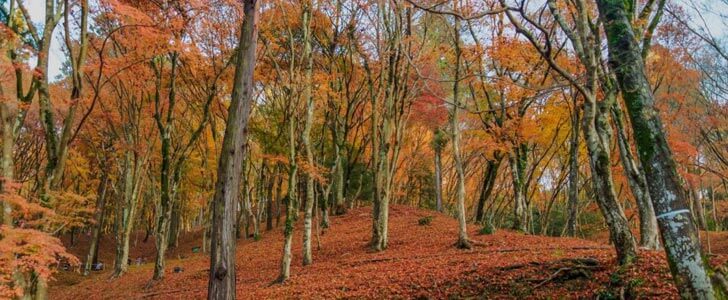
x=420 y=263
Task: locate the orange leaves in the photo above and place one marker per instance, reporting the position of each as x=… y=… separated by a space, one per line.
x=28 y=250
x=24 y=252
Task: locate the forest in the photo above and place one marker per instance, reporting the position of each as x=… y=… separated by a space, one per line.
x=364 y=149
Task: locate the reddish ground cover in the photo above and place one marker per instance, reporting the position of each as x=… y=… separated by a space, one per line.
x=420 y=263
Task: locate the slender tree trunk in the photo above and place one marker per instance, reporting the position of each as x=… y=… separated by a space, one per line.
x=227 y=189
x=670 y=202
x=438 y=177
x=462 y=241
x=491 y=173
x=279 y=199
x=7 y=164
x=338 y=184
x=649 y=237
x=127 y=211
x=306 y=138
x=573 y=204
x=175 y=224
x=698 y=208
x=98 y=223
x=169 y=173
x=518 y=160
x=597 y=136
x=291 y=203
x=269 y=201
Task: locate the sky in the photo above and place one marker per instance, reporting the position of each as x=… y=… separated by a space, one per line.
x=715 y=19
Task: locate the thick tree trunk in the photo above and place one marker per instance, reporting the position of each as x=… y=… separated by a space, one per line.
x=670 y=202
x=573 y=204
x=649 y=237
x=227 y=189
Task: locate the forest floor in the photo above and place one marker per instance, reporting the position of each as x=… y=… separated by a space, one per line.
x=420 y=262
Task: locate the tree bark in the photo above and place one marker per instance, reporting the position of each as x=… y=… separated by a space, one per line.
x=573 y=204
x=491 y=172
x=306 y=138
x=462 y=241
x=518 y=159
x=649 y=237
x=669 y=200
x=227 y=189
x=438 y=144
x=98 y=223
x=597 y=136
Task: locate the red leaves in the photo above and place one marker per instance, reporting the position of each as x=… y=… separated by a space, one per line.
x=420 y=262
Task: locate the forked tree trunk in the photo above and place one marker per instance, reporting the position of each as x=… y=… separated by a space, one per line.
x=670 y=202
x=597 y=136
x=126 y=211
x=227 y=189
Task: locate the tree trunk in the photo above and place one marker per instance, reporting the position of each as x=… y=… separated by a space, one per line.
x=269 y=202
x=649 y=237
x=98 y=223
x=306 y=138
x=438 y=177
x=491 y=172
x=227 y=189
x=597 y=136
x=669 y=200
x=518 y=160
x=7 y=163
x=573 y=204
x=462 y=241
x=698 y=208
x=169 y=173
x=126 y=212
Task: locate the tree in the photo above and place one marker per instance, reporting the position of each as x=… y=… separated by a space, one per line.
x=227 y=189
x=669 y=199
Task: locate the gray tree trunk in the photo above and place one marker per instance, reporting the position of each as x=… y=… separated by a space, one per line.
x=227 y=189
x=598 y=136
x=306 y=138
x=670 y=202
x=573 y=204
x=438 y=177
x=649 y=237
x=98 y=223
